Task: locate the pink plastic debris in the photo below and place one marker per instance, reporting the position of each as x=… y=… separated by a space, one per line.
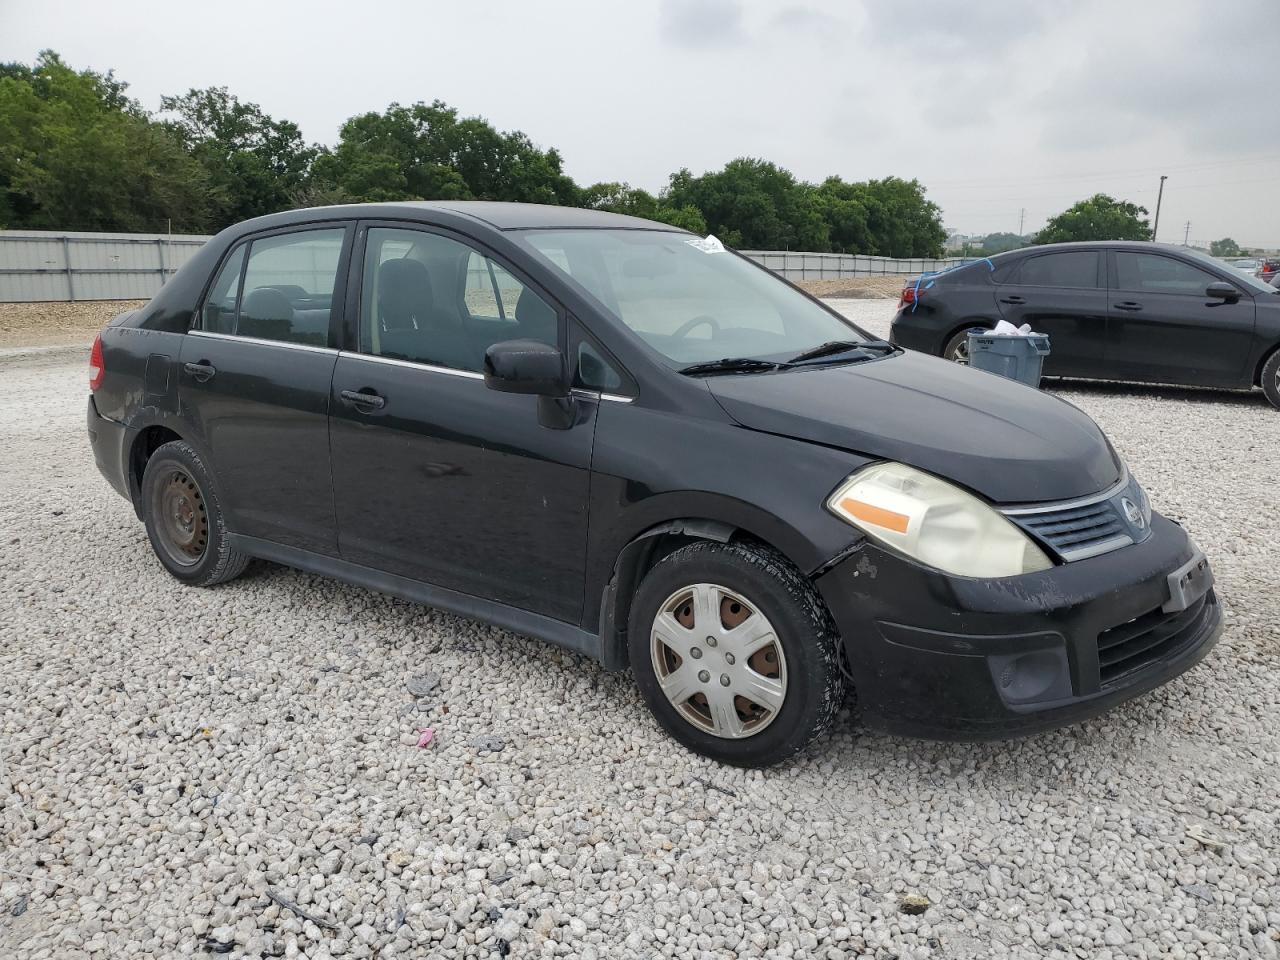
x=425 y=736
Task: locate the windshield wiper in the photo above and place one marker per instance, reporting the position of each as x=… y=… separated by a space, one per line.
x=732 y=365
x=833 y=347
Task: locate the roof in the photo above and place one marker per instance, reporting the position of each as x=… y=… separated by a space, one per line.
x=498 y=215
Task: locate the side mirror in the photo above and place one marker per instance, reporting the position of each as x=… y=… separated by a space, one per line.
x=525 y=366
x=1221 y=290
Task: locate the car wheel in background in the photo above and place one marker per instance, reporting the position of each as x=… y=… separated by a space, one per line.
x=957 y=348
x=1271 y=379
x=735 y=653
x=184 y=519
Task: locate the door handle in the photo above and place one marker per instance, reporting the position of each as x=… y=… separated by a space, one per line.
x=360 y=398
x=1015 y=300
x=1129 y=305
x=202 y=371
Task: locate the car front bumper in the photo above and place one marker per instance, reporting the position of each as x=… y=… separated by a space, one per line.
x=954 y=658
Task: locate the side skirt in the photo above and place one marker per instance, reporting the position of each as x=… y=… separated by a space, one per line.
x=490 y=611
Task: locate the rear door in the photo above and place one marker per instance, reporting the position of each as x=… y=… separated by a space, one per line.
x=1163 y=328
x=438 y=478
x=254 y=378
x=1064 y=295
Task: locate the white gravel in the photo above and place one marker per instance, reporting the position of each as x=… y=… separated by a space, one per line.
x=174 y=758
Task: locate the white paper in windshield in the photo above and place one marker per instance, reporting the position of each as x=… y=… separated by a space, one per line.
x=707 y=244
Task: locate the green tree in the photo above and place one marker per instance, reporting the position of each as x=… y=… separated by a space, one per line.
x=634 y=202
x=1099 y=218
x=753 y=204
x=76 y=153
x=254 y=164
x=1226 y=247
x=885 y=218
x=1000 y=242
x=426 y=152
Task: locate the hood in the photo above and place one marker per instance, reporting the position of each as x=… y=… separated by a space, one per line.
x=1004 y=440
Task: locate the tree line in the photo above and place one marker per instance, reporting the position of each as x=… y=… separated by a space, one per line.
x=78 y=153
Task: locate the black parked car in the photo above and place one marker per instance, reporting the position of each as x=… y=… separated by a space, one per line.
x=629 y=441
x=1113 y=311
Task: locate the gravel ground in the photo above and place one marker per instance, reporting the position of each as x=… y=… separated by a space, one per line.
x=236 y=770
x=44 y=324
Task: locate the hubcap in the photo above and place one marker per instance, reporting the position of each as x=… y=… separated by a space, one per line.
x=184 y=523
x=718 y=661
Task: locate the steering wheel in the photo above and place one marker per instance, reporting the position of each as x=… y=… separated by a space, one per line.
x=684 y=328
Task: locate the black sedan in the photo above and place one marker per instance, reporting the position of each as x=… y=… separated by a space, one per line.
x=1113 y=311
x=632 y=442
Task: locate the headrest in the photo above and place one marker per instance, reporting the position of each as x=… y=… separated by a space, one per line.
x=537 y=320
x=405 y=300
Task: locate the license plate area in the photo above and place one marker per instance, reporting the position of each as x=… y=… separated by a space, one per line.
x=1188 y=583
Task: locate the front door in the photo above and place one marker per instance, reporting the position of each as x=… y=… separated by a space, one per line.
x=1061 y=294
x=436 y=477
x=1164 y=329
x=254 y=381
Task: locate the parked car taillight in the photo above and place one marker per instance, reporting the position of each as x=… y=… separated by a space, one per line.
x=96 y=369
x=909 y=294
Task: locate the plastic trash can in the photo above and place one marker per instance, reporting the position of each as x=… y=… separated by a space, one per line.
x=1019 y=358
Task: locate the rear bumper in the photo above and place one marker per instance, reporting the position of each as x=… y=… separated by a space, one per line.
x=916 y=330
x=952 y=658
x=107 y=440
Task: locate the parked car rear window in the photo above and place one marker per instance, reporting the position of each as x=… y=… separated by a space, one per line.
x=430 y=299
x=690 y=300
x=1079 y=268
x=1152 y=273
x=219 y=312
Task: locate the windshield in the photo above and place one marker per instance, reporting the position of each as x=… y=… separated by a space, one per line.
x=690 y=305
x=1237 y=276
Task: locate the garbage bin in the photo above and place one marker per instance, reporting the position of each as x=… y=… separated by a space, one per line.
x=1019 y=358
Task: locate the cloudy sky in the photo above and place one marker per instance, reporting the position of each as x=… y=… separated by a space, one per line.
x=995 y=107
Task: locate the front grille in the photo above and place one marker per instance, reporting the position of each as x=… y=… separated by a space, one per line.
x=1078 y=532
x=1150 y=637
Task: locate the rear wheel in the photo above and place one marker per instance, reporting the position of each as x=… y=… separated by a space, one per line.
x=957 y=348
x=1271 y=379
x=184 y=518
x=735 y=653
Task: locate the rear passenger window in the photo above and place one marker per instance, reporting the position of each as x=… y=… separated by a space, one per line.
x=433 y=300
x=1076 y=269
x=288 y=287
x=1150 y=273
x=219 y=312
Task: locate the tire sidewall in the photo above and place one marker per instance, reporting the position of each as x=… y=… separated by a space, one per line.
x=1270 y=386
x=182 y=456
x=804 y=630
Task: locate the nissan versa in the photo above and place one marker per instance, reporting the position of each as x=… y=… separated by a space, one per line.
x=634 y=443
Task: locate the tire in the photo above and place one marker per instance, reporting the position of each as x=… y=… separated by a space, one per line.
x=957 y=348
x=798 y=672
x=184 y=518
x=1271 y=379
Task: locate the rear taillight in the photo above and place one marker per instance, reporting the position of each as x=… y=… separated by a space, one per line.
x=96 y=369
x=909 y=294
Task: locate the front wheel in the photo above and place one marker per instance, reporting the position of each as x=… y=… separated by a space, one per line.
x=957 y=348
x=735 y=653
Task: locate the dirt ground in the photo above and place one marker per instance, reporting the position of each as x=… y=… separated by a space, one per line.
x=54 y=324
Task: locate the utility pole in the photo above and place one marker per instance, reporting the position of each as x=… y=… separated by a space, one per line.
x=1187 y=234
x=1155 y=230
x=1021 y=216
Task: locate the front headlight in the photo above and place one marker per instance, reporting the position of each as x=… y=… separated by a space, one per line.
x=934 y=522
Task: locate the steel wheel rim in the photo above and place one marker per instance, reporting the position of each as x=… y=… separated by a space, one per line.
x=182 y=518
x=719 y=661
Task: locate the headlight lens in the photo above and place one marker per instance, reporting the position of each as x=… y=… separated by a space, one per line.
x=934 y=522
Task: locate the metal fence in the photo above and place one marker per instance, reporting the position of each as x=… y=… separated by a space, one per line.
x=795 y=265
x=37 y=265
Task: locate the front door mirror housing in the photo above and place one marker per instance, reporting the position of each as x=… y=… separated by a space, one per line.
x=1221 y=290
x=525 y=366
